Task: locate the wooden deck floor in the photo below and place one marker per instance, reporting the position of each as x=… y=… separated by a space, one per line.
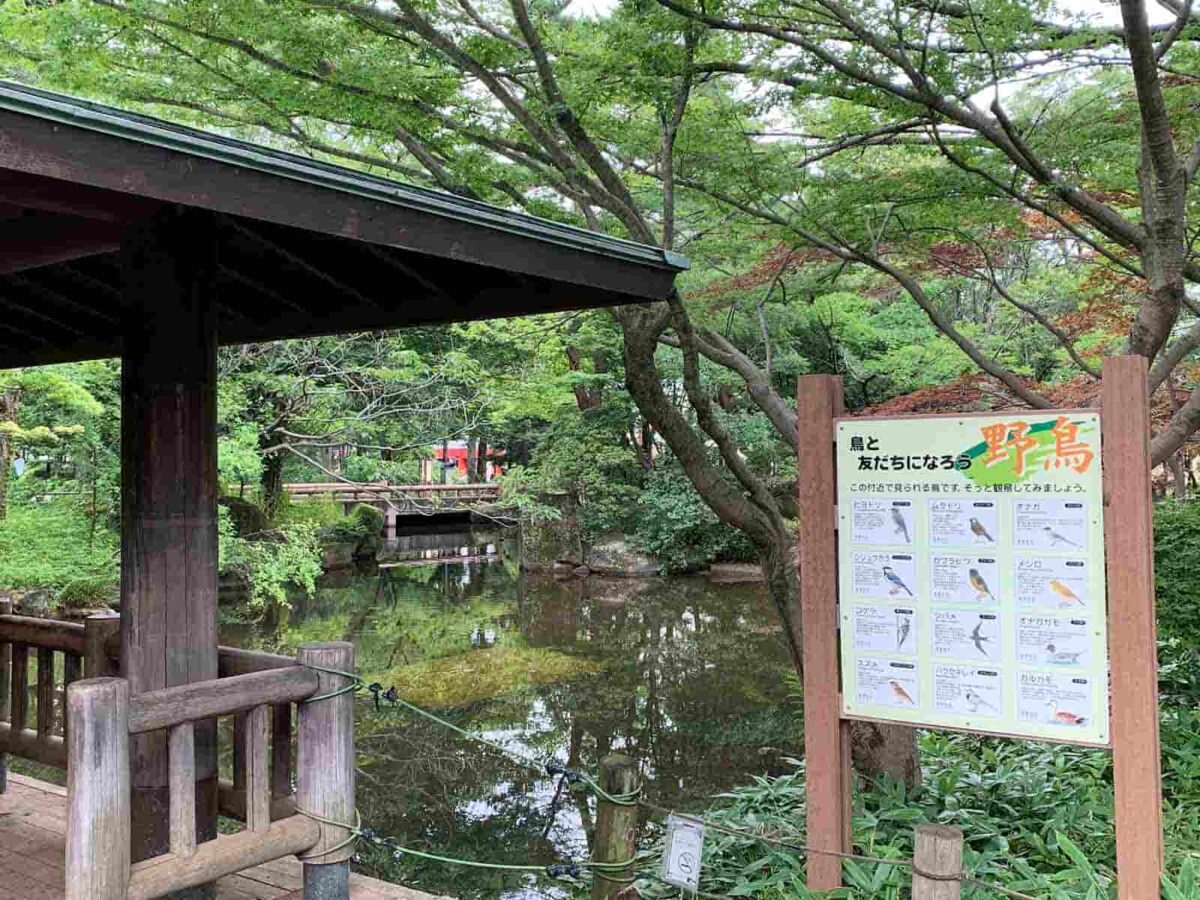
x=33 y=819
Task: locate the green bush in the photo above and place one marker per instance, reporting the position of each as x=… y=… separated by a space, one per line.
x=288 y=557
x=88 y=593
x=675 y=526
x=1177 y=570
x=53 y=545
x=363 y=524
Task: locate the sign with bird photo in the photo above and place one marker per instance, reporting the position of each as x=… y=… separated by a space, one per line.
x=971 y=573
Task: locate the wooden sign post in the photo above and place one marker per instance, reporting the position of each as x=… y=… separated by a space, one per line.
x=1048 y=558
x=826 y=735
x=1133 y=646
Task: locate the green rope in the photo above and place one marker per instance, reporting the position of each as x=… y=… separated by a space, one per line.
x=355 y=831
x=355 y=685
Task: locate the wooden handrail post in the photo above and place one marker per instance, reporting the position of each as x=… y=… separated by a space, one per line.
x=97 y=629
x=937 y=863
x=325 y=771
x=616 y=825
x=97 y=864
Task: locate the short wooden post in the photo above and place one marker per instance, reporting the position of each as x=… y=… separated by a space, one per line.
x=1129 y=545
x=325 y=771
x=97 y=629
x=97 y=863
x=937 y=863
x=826 y=745
x=5 y=688
x=616 y=826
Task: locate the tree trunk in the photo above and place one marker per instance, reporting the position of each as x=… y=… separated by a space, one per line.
x=1178 y=476
x=472 y=459
x=9 y=401
x=272 y=484
x=481 y=461
x=878 y=749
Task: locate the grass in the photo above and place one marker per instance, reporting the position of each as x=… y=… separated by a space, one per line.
x=477 y=675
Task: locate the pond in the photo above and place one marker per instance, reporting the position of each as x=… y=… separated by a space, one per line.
x=684 y=675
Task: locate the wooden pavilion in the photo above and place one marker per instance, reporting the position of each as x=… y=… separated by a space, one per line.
x=122 y=235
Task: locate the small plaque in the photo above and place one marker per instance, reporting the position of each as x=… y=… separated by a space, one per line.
x=681 y=855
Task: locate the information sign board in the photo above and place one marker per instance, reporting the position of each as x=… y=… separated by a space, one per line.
x=971 y=573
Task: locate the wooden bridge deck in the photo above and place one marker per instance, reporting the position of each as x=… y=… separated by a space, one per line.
x=33 y=820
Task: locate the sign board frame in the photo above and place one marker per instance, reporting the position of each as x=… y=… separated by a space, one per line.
x=1133 y=692
x=1039 y=608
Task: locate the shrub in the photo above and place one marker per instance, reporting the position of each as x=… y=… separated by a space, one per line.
x=363 y=524
x=53 y=545
x=1177 y=570
x=88 y=593
x=677 y=527
x=290 y=558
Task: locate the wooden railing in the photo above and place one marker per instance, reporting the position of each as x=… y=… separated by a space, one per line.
x=102 y=716
x=22 y=638
x=382 y=491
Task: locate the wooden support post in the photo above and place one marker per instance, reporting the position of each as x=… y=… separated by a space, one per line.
x=257 y=755
x=325 y=771
x=616 y=826
x=826 y=744
x=97 y=629
x=182 y=751
x=1129 y=544
x=5 y=688
x=169 y=500
x=281 y=751
x=45 y=692
x=97 y=862
x=19 y=707
x=937 y=863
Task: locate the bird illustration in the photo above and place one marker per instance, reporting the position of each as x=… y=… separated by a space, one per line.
x=1063 y=716
x=1057 y=657
x=978 y=638
x=903 y=627
x=1065 y=592
x=901 y=524
x=975 y=702
x=1056 y=539
x=979 y=531
x=894 y=579
x=980 y=586
x=900 y=693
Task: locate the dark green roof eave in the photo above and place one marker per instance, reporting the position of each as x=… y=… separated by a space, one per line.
x=109 y=120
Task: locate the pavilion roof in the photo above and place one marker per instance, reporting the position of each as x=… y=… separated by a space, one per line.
x=304 y=247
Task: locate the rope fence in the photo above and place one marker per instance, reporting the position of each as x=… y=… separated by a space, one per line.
x=622 y=872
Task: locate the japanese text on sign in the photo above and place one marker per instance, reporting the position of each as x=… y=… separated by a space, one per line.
x=971 y=574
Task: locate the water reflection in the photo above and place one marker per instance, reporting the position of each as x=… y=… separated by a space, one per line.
x=687 y=679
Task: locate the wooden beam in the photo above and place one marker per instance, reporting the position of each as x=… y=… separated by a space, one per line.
x=43 y=239
x=1133 y=645
x=44 y=294
x=393 y=215
x=56 y=196
x=169 y=511
x=298 y=262
x=818 y=402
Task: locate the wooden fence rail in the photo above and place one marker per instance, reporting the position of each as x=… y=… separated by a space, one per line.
x=102 y=717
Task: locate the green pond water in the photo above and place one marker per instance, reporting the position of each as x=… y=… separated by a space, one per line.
x=683 y=675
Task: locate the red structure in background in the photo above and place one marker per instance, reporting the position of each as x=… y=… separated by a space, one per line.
x=456 y=459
